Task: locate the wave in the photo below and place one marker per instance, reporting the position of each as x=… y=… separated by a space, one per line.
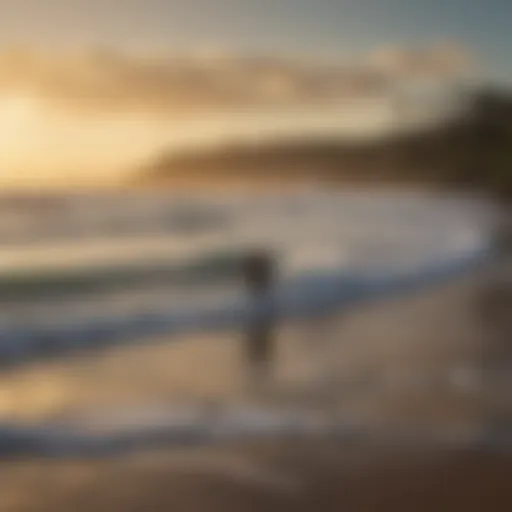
x=311 y=293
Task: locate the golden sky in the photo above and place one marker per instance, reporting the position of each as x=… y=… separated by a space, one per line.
x=89 y=116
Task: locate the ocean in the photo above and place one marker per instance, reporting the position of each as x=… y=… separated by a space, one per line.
x=93 y=269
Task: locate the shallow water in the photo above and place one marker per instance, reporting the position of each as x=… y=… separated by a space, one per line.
x=161 y=275
x=99 y=261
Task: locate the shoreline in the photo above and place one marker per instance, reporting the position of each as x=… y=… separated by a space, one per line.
x=277 y=475
x=263 y=184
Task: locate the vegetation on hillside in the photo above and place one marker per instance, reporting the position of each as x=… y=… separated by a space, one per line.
x=474 y=151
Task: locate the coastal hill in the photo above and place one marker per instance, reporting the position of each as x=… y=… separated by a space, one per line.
x=473 y=150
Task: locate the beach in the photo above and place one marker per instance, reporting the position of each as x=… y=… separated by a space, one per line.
x=408 y=366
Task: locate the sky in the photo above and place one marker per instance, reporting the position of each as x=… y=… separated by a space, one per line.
x=40 y=144
x=306 y=26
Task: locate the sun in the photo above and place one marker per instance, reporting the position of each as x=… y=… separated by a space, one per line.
x=19 y=114
x=16 y=110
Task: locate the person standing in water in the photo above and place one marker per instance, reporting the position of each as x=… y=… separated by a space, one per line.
x=259 y=274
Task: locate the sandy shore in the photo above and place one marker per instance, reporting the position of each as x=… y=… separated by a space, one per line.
x=266 y=477
x=413 y=363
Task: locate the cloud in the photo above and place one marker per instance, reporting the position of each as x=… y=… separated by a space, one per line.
x=186 y=83
x=441 y=60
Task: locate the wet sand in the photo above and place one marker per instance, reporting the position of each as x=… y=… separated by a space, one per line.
x=317 y=476
x=410 y=364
